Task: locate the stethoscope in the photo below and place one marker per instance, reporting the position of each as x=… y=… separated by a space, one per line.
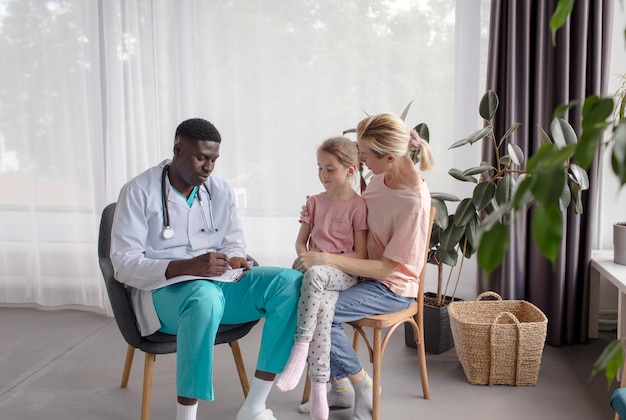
x=168 y=232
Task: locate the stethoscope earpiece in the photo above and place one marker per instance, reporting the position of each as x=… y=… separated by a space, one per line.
x=168 y=232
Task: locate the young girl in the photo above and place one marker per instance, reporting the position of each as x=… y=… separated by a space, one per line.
x=336 y=222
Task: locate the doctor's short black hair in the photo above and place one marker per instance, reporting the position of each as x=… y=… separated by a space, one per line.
x=197 y=129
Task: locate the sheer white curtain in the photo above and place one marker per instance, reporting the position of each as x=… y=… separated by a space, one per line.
x=91 y=92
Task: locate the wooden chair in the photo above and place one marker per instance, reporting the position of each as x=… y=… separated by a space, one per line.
x=157 y=343
x=414 y=315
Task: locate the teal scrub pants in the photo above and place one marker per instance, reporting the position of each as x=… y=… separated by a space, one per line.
x=194 y=310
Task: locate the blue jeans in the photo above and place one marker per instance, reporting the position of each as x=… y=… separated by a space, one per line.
x=365 y=298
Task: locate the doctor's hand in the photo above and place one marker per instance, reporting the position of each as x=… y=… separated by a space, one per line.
x=204 y=265
x=238 y=262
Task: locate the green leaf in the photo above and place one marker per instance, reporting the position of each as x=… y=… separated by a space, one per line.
x=596 y=111
x=422 y=130
x=522 y=194
x=483 y=194
x=550 y=155
x=466 y=247
x=492 y=248
x=465 y=211
x=547 y=227
x=504 y=190
x=562 y=132
x=406 y=111
x=609 y=361
x=579 y=204
x=457 y=174
x=478 y=170
x=488 y=105
x=579 y=176
x=494 y=217
x=563 y=10
x=510 y=131
x=444 y=196
x=566 y=198
x=451 y=236
x=480 y=134
x=447 y=256
x=441 y=216
x=516 y=153
x=471 y=233
x=459 y=143
x=548 y=191
x=587 y=146
x=505 y=160
x=560 y=110
x=541 y=155
x=544 y=137
x=618 y=155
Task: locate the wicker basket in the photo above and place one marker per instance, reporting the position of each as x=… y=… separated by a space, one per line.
x=498 y=342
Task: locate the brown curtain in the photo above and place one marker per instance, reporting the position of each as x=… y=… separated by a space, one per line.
x=531 y=78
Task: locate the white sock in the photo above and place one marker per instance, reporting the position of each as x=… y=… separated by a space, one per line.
x=341 y=395
x=255 y=402
x=363 y=399
x=186 y=412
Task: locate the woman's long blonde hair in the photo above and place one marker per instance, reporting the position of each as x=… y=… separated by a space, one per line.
x=386 y=133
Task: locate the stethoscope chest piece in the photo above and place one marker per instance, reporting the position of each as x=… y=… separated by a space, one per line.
x=168 y=233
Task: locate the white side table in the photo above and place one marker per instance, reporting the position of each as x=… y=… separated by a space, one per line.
x=602 y=266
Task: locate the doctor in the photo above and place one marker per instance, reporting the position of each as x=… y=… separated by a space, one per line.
x=177 y=219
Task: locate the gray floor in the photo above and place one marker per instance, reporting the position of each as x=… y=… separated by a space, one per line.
x=68 y=364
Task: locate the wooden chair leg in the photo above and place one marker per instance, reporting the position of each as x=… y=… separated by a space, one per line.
x=421 y=357
x=128 y=363
x=355 y=340
x=307 y=387
x=148 y=372
x=241 y=368
x=377 y=356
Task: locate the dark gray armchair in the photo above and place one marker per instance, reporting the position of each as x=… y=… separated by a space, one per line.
x=158 y=343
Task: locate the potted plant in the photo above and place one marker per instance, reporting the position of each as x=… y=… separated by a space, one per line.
x=478 y=224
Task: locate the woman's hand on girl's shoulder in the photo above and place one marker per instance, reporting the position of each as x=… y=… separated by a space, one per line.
x=303 y=211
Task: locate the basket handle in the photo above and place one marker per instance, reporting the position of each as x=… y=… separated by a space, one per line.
x=494 y=332
x=487 y=294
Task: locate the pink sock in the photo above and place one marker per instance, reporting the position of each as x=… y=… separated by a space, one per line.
x=295 y=366
x=319 y=404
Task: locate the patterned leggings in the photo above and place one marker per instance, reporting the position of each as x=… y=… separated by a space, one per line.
x=319 y=283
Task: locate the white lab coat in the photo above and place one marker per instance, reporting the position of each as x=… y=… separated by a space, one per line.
x=139 y=253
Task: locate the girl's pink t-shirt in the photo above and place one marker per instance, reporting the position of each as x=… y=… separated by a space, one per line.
x=398 y=227
x=333 y=223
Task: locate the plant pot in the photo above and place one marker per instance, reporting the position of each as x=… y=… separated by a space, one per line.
x=619 y=243
x=437 y=333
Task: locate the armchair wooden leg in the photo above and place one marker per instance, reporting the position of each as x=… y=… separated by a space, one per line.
x=241 y=368
x=128 y=363
x=421 y=349
x=377 y=356
x=148 y=372
x=307 y=387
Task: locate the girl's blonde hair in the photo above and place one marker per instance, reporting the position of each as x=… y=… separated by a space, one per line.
x=386 y=134
x=343 y=149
